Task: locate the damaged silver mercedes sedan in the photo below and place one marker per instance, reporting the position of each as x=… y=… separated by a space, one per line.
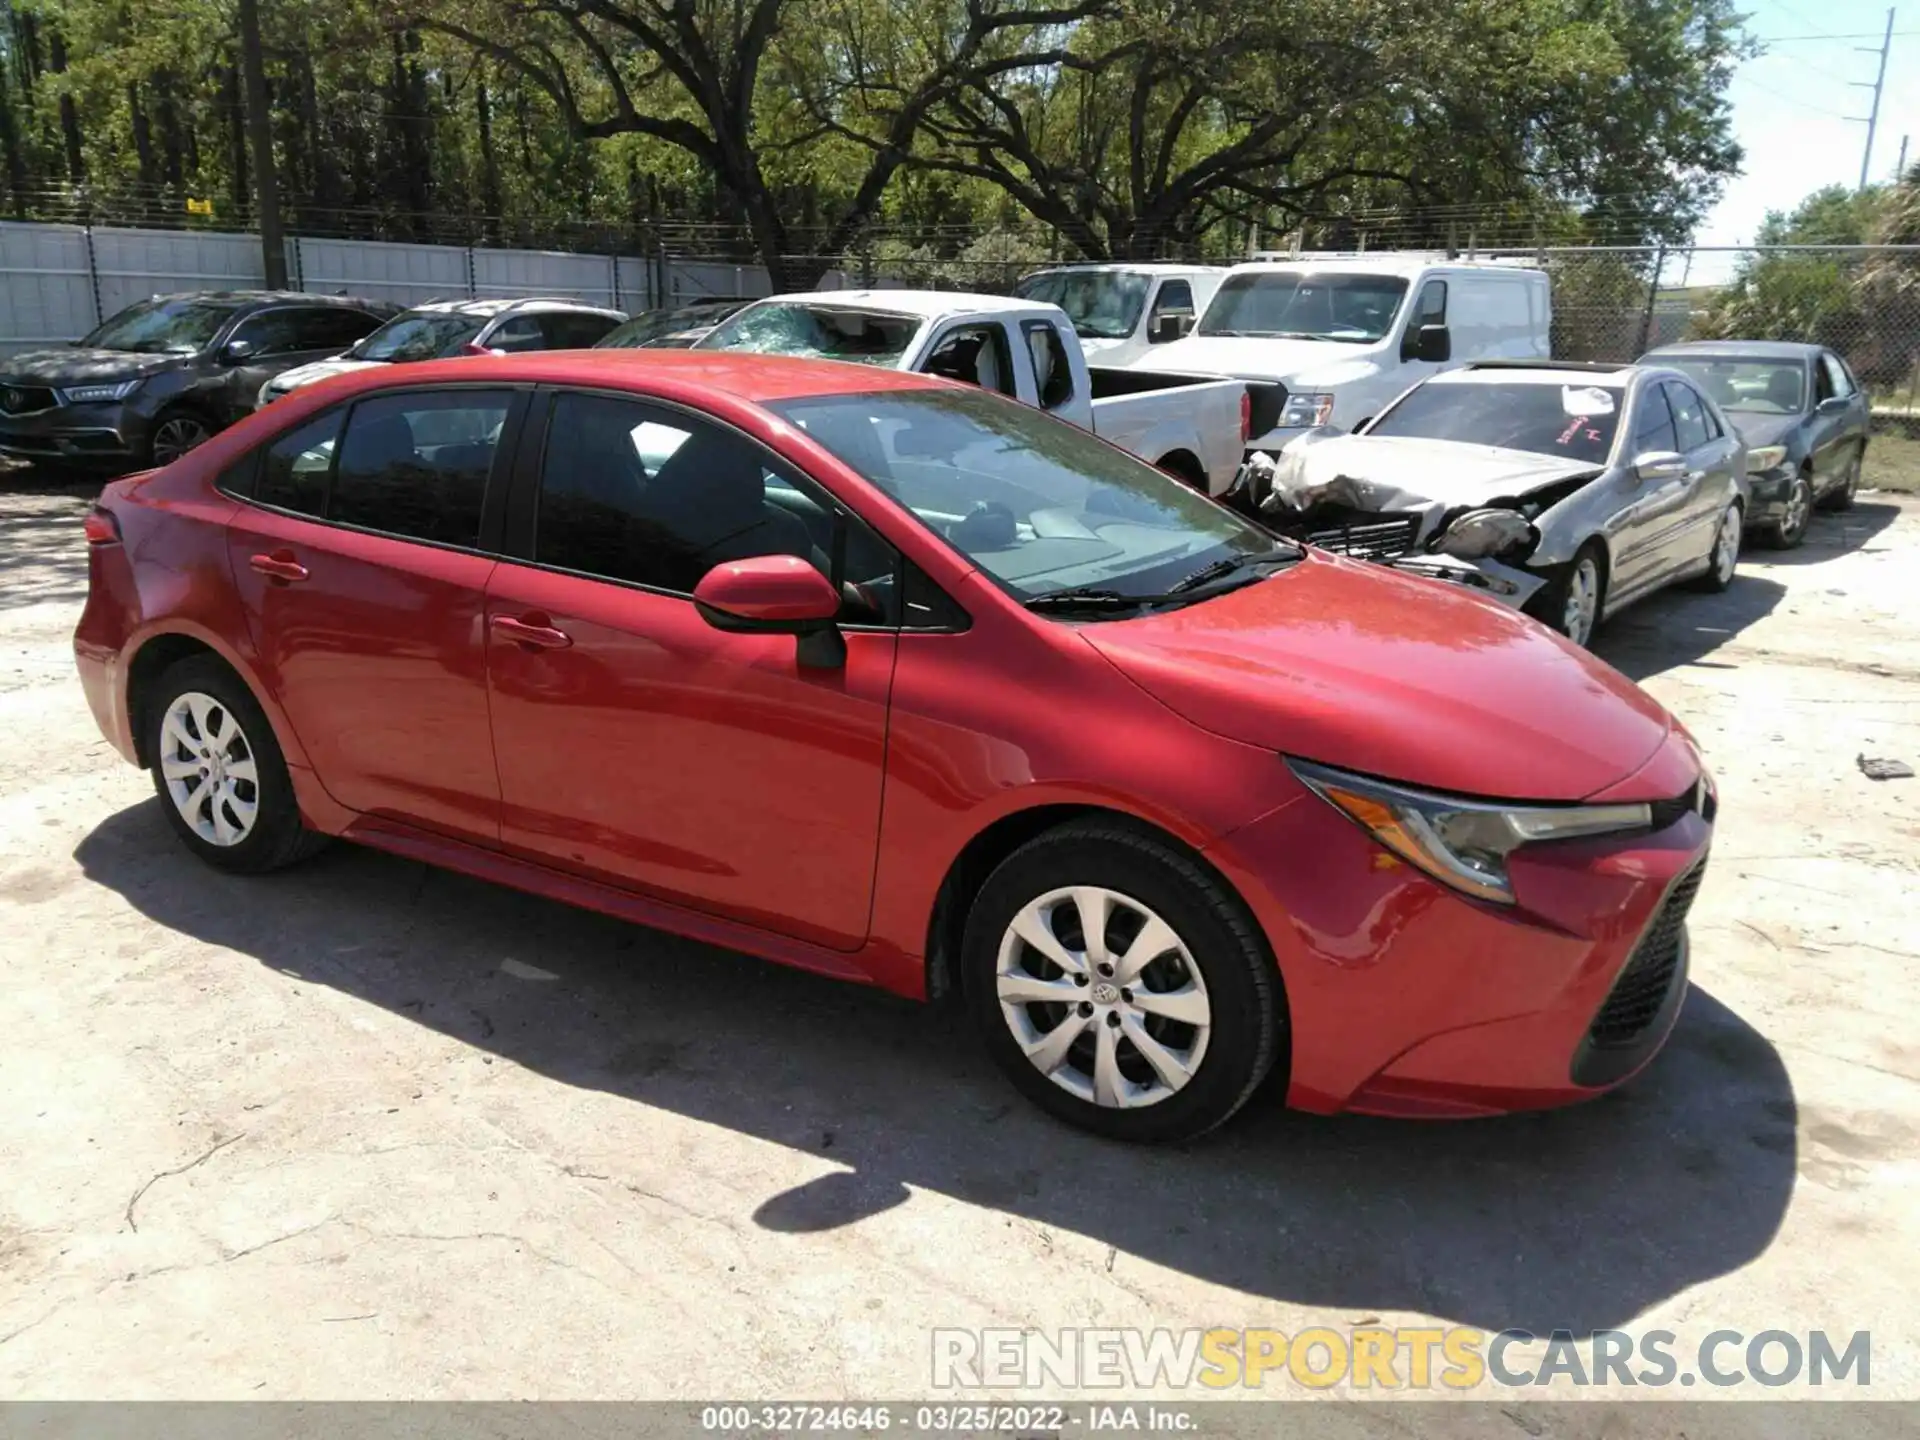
x=1565 y=490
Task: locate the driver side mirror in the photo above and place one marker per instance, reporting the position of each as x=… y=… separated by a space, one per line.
x=1173 y=325
x=1653 y=465
x=775 y=595
x=1832 y=405
x=1432 y=344
x=238 y=352
x=474 y=347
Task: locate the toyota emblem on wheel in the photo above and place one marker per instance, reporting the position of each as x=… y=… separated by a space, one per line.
x=13 y=399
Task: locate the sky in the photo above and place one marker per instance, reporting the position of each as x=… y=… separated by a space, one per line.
x=1790 y=105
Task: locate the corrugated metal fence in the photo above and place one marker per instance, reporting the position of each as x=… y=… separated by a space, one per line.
x=59 y=281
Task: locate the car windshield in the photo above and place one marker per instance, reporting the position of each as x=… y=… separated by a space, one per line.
x=655 y=324
x=1296 y=305
x=1572 y=422
x=1756 y=387
x=817 y=331
x=419 y=335
x=163 y=327
x=1040 y=505
x=1103 y=304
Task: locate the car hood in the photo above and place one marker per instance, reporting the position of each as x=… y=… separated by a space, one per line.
x=1413 y=680
x=319 y=370
x=1404 y=474
x=73 y=365
x=1765 y=429
x=1250 y=358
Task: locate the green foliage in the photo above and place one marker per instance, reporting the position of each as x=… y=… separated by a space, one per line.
x=790 y=129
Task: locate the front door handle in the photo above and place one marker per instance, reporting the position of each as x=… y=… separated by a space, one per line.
x=280 y=566
x=531 y=632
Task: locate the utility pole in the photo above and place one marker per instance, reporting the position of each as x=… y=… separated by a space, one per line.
x=1900 y=170
x=1872 y=119
x=273 y=245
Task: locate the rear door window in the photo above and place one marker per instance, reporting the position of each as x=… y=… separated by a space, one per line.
x=1052 y=371
x=293 y=472
x=417 y=465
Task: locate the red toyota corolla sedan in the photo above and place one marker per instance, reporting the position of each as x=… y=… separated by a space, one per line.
x=905 y=683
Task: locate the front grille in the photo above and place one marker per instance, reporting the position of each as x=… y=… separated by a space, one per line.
x=25 y=399
x=1671 y=812
x=1642 y=987
x=1363 y=534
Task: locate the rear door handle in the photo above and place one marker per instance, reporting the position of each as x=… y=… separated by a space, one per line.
x=531 y=631
x=280 y=566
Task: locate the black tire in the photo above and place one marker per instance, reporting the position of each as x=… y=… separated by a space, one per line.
x=1784 y=533
x=1714 y=582
x=277 y=837
x=1549 y=606
x=1237 y=970
x=1184 y=468
x=1841 y=496
x=153 y=451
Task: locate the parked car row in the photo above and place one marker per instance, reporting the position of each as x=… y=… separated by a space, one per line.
x=163 y=375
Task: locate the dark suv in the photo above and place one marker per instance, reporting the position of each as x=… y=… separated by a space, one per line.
x=161 y=376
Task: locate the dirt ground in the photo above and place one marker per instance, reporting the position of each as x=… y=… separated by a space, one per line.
x=369 y=1130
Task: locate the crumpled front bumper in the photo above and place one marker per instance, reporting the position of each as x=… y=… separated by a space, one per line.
x=1511 y=585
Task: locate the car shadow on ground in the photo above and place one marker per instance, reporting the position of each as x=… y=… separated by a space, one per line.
x=1580 y=1218
x=1828 y=534
x=1674 y=628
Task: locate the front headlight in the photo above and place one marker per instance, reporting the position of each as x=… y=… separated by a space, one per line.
x=1304 y=410
x=1463 y=843
x=1480 y=533
x=1765 y=457
x=94 y=394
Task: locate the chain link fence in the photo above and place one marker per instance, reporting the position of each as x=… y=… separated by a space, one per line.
x=1861 y=301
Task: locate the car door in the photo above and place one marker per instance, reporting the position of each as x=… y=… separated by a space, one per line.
x=1709 y=484
x=269 y=342
x=1841 y=427
x=1650 y=508
x=635 y=742
x=361 y=558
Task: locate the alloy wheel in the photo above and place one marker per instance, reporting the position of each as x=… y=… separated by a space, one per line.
x=1583 y=601
x=175 y=436
x=1726 y=546
x=1799 y=506
x=209 y=769
x=1103 y=997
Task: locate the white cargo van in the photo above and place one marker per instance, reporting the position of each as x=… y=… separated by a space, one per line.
x=1345 y=335
x=1125 y=313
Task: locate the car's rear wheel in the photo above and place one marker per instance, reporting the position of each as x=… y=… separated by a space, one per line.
x=219 y=773
x=1791 y=528
x=1724 y=558
x=1840 y=497
x=176 y=432
x=1120 y=985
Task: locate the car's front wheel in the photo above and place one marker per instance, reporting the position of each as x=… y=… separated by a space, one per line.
x=1119 y=984
x=219 y=773
x=1791 y=528
x=176 y=432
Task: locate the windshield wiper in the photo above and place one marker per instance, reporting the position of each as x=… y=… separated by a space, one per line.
x=1088 y=597
x=1232 y=565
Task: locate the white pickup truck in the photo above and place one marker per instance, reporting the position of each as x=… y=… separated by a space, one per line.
x=1192 y=426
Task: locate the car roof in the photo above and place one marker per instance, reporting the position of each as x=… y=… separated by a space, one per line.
x=271 y=297
x=1535 y=372
x=742 y=375
x=1749 y=349
x=1408 y=265
x=925 y=304
x=1142 y=267
x=487 y=309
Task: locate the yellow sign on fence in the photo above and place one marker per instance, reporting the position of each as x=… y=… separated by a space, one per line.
x=199 y=207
